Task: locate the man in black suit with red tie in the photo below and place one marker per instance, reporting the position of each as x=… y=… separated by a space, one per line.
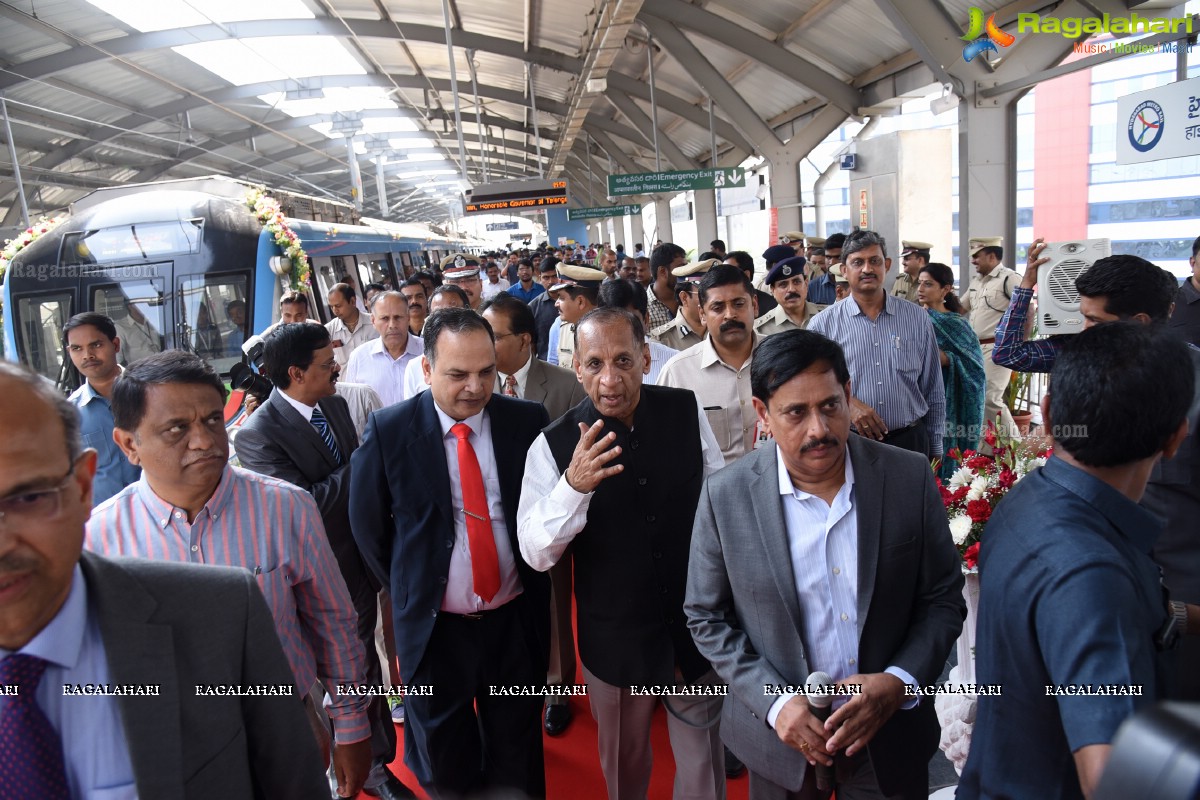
x=433 y=506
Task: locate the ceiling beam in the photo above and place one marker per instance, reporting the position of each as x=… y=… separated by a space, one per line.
x=783 y=61
x=40 y=68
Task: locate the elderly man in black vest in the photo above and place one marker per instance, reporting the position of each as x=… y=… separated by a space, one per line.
x=617 y=479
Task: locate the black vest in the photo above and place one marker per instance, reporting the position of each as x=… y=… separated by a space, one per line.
x=631 y=558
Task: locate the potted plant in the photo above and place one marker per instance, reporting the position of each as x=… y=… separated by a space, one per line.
x=1018 y=400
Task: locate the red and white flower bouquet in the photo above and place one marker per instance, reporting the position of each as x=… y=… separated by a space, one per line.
x=980 y=483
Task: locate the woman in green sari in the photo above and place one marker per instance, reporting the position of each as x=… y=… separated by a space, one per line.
x=962 y=363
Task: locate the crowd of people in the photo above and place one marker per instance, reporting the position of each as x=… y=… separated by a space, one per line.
x=734 y=486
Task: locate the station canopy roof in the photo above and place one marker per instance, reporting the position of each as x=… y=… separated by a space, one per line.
x=104 y=92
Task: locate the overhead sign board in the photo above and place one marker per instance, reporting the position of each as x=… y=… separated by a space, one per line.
x=1159 y=123
x=491 y=198
x=502 y=226
x=696 y=179
x=604 y=211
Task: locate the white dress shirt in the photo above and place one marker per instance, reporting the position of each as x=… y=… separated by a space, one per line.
x=414 y=379
x=522 y=376
x=303 y=410
x=552 y=514
x=362 y=401
x=660 y=354
x=823 y=544
x=373 y=365
x=490 y=289
x=460 y=595
x=351 y=338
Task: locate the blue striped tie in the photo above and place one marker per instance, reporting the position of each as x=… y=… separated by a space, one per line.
x=322 y=425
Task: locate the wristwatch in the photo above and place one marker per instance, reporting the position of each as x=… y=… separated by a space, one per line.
x=1174 y=627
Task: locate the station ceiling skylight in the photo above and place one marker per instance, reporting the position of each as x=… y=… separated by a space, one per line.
x=272 y=58
x=161 y=15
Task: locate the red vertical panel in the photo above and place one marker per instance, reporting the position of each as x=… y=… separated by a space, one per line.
x=1060 y=152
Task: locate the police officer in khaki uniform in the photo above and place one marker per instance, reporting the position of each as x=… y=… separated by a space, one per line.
x=984 y=302
x=687 y=328
x=575 y=294
x=914 y=257
x=795 y=240
x=788 y=283
x=841 y=283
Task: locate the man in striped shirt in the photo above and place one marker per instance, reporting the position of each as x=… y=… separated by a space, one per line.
x=191 y=506
x=897 y=396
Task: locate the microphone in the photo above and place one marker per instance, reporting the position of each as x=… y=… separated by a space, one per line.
x=820 y=703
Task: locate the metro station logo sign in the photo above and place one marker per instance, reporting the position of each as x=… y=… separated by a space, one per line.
x=981 y=37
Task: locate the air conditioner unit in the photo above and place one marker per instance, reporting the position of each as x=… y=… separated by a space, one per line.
x=1058 y=302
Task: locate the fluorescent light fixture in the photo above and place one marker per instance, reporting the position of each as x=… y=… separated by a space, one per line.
x=273 y=58
x=161 y=15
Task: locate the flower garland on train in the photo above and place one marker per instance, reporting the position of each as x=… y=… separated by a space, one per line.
x=27 y=237
x=266 y=209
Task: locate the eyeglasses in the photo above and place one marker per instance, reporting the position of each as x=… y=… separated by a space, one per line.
x=38 y=505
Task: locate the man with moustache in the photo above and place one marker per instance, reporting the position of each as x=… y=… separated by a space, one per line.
x=897 y=395
x=433 y=504
x=660 y=295
x=303 y=434
x=348 y=328
x=418 y=303
x=823 y=551
x=718 y=368
x=914 y=256
x=525 y=289
x=192 y=506
x=93 y=346
x=615 y=480
x=463 y=271
x=789 y=285
x=381 y=362
x=575 y=294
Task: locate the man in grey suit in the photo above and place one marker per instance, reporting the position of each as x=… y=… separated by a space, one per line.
x=304 y=435
x=521 y=374
x=794 y=570
x=156 y=631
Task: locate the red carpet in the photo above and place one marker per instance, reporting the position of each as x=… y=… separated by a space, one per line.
x=573 y=762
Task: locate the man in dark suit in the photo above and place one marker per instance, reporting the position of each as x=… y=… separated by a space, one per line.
x=159 y=629
x=521 y=374
x=304 y=435
x=433 y=504
x=794 y=570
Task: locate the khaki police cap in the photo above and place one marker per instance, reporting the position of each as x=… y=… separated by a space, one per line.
x=907 y=247
x=573 y=275
x=975 y=244
x=695 y=271
x=838 y=275
x=792 y=236
x=816 y=241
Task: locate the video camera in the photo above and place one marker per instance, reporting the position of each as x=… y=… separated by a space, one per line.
x=247 y=375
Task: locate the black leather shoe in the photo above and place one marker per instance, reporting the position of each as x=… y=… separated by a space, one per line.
x=558 y=717
x=734 y=768
x=391 y=789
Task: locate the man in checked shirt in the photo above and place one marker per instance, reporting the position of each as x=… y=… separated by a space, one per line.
x=190 y=505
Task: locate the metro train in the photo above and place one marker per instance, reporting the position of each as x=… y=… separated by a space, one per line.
x=185 y=264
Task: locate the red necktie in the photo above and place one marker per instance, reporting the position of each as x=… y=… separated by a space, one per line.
x=485 y=564
x=31 y=754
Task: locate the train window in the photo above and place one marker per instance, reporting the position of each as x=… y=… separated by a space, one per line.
x=136 y=308
x=40 y=321
x=121 y=243
x=212 y=312
x=407 y=262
